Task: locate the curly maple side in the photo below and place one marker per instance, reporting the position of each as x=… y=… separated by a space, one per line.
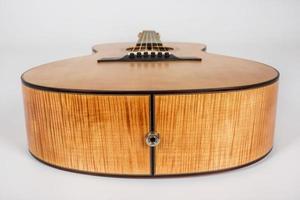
x=200 y=132
x=214 y=131
x=89 y=133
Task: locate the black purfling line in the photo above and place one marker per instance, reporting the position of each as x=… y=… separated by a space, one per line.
x=147 y=92
x=152 y=128
x=146 y=176
x=152 y=161
x=152 y=113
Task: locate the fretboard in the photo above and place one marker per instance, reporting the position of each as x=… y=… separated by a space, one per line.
x=149 y=44
x=149 y=38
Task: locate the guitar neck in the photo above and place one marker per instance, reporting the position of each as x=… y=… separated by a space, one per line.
x=149 y=38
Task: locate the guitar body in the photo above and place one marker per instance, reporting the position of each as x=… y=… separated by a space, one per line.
x=103 y=115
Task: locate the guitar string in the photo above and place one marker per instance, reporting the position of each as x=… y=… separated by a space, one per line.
x=141 y=41
x=146 y=42
x=136 y=47
x=155 y=43
x=151 y=38
x=159 y=43
x=163 y=47
x=132 y=50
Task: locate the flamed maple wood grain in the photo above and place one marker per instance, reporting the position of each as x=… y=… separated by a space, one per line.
x=76 y=118
x=99 y=134
x=106 y=134
x=213 y=131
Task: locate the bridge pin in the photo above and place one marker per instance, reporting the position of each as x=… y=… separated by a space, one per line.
x=131 y=55
x=146 y=54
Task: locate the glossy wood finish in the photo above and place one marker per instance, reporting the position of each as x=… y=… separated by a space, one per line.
x=213 y=131
x=89 y=133
x=211 y=115
x=213 y=72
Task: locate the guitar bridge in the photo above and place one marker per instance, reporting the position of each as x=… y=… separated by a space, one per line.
x=149 y=48
x=143 y=58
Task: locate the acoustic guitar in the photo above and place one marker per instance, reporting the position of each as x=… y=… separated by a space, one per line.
x=150 y=109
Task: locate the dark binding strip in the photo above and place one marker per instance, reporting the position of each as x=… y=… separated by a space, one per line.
x=148 y=176
x=147 y=92
x=152 y=128
x=152 y=161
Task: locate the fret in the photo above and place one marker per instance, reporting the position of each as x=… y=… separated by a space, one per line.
x=149 y=45
x=149 y=38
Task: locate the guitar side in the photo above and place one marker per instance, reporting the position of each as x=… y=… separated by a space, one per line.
x=105 y=134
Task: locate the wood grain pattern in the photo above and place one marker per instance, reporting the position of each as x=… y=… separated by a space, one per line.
x=213 y=72
x=91 y=133
x=213 y=131
x=203 y=126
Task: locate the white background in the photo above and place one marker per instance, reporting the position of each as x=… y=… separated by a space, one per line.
x=34 y=32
